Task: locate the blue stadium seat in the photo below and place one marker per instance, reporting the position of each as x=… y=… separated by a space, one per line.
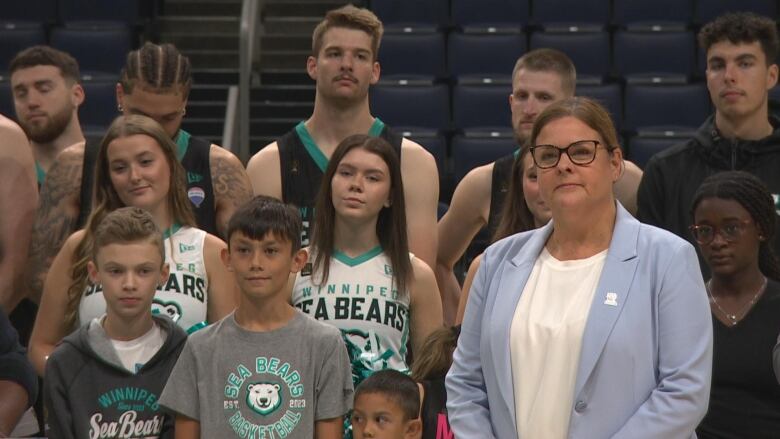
x=640 y=149
x=588 y=50
x=482 y=107
x=413 y=55
x=399 y=13
x=608 y=95
x=99 y=107
x=466 y=13
x=30 y=11
x=97 y=49
x=666 y=109
x=433 y=143
x=470 y=152
x=98 y=11
x=632 y=12
x=484 y=54
x=411 y=106
x=16 y=38
x=571 y=12
x=654 y=53
x=707 y=10
x=6 y=100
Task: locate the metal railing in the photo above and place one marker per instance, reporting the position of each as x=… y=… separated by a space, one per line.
x=250 y=14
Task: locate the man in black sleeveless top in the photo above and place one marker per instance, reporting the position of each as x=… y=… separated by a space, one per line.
x=154 y=82
x=540 y=78
x=343 y=64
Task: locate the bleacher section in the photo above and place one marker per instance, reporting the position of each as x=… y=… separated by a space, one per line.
x=637 y=57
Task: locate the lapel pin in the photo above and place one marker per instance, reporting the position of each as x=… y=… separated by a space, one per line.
x=611 y=299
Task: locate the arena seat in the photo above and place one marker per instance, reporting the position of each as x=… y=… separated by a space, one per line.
x=427 y=47
x=99 y=107
x=640 y=148
x=469 y=152
x=16 y=37
x=588 y=50
x=469 y=13
x=80 y=12
x=608 y=95
x=667 y=109
x=482 y=106
x=412 y=105
x=484 y=54
x=707 y=10
x=628 y=13
x=654 y=53
x=401 y=13
x=97 y=49
x=567 y=13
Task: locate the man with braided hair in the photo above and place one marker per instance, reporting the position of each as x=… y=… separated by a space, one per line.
x=154 y=82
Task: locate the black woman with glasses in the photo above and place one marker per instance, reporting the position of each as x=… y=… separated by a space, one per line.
x=734 y=223
x=592 y=326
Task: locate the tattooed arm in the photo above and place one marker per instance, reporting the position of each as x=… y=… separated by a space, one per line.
x=56 y=217
x=231 y=185
x=18 y=199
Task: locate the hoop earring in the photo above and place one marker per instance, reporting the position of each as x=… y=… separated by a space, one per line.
x=119 y=108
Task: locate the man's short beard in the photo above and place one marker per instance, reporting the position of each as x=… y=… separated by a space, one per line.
x=54 y=126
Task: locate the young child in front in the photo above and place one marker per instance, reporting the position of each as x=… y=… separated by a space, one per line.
x=387 y=406
x=267 y=370
x=105 y=379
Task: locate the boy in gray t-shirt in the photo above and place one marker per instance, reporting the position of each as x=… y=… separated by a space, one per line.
x=266 y=370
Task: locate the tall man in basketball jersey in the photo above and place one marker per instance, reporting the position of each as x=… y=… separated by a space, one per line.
x=343 y=64
x=540 y=78
x=155 y=82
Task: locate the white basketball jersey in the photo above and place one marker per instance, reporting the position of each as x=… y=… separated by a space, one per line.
x=360 y=299
x=184 y=297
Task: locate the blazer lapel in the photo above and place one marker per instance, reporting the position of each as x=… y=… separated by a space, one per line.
x=511 y=280
x=611 y=293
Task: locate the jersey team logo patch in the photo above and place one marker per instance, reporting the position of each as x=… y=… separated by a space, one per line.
x=170 y=309
x=196 y=195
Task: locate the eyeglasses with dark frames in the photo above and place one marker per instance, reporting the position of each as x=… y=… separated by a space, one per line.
x=581 y=152
x=705 y=233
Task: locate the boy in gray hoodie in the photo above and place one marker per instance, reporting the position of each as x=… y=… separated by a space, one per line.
x=104 y=380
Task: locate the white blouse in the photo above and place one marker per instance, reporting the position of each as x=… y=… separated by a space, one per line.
x=545 y=341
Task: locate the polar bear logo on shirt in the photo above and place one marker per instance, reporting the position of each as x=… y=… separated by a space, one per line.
x=264 y=398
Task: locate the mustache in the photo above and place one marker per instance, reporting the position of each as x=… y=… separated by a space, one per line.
x=345 y=76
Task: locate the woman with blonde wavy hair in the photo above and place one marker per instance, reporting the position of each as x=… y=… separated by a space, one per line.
x=136 y=166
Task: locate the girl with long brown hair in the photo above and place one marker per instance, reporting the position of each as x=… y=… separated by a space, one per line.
x=363 y=279
x=136 y=166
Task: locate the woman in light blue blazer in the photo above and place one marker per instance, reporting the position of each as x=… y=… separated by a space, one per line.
x=593 y=326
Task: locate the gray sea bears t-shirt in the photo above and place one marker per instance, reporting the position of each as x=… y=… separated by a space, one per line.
x=274 y=384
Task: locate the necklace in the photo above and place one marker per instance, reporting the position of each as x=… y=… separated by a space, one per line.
x=736 y=317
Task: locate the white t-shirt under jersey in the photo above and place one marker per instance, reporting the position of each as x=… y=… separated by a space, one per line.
x=545 y=341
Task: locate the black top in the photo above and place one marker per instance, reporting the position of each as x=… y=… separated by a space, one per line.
x=13 y=361
x=436 y=425
x=672 y=177
x=745 y=395
x=499 y=185
x=303 y=165
x=194 y=155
